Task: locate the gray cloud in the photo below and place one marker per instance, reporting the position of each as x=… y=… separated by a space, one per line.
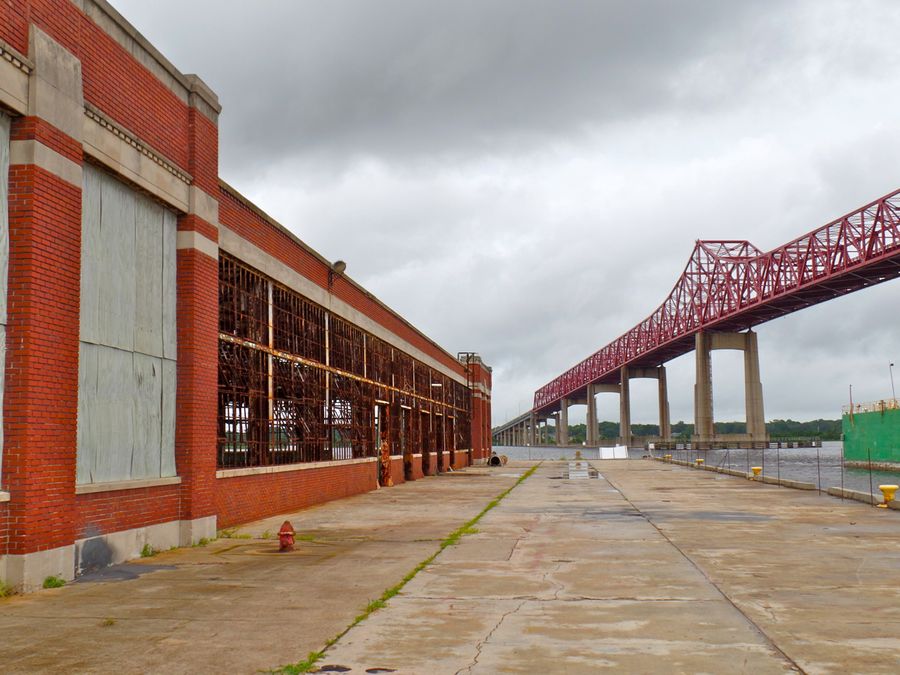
x=526 y=179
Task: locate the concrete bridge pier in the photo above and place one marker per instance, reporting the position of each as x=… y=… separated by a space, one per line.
x=704 y=430
x=592 y=431
x=562 y=424
x=659 y=374
x=625 y=436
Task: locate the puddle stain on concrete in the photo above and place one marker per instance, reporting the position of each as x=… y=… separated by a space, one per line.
x=578 y=471
x=123 y=572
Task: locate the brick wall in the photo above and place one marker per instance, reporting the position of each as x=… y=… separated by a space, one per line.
x=243 y=499
x=114 y=81
x=104 y=512
x=417 y=468
x=397 y=473
x=196 y=400
x=41 y=395
x=41 y=401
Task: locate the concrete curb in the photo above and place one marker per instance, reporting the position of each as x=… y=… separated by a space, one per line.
x=863 y=497
x=783 y=482
x=844 y=493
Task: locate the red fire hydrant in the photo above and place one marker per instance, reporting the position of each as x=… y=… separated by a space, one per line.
x=286 y=537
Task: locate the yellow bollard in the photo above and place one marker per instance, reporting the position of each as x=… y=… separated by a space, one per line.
x=699 y=461
x=756 y=471
x=668 y=458
x=888 y=492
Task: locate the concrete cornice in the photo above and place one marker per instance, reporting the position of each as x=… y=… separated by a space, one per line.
x=18 y=60
x=131 y=40
x=131 y=139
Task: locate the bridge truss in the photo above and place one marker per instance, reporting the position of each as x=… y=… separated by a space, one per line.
x=732 y=285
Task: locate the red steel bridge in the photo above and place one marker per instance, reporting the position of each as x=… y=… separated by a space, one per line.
x=732 y=286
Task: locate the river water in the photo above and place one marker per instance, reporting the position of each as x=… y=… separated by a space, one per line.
x=821 y=466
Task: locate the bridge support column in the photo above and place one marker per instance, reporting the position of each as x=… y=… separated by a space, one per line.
x=659 y=374
x=562 y=424
x=665 y=421
x=591 y=418
x=705 y=343
x=624 y=408
x=753 y=396
x=703 y=400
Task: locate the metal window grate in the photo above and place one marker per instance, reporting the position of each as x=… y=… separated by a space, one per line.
x=298 y=384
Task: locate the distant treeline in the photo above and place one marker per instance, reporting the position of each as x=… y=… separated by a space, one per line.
x=827 y=430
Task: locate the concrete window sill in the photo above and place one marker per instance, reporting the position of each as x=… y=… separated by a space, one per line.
x=4 y=496
x=112 y=486
x=282 y=468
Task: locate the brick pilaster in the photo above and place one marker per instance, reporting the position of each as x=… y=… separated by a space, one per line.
x=198 y=315
x=41 y=393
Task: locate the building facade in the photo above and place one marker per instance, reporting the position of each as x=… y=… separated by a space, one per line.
x=175 y=360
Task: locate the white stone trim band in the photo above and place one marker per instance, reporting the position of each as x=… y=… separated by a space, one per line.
x=38 y=154
x=112 y=486
x=282 y=468
x=192 y=239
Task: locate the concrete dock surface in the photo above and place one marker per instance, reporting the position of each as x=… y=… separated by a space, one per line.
x=631 y=566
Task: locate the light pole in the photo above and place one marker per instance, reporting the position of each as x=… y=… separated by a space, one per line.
x=893 y=393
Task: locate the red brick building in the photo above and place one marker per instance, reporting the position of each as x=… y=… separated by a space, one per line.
x=175 y=360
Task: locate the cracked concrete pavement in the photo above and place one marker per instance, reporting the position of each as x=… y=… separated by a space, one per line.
x=646 y=568
x=649 y=568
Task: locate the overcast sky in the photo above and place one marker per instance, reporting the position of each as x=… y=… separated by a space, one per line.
x=527 y=179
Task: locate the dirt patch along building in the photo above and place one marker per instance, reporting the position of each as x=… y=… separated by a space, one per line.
x=176 y=361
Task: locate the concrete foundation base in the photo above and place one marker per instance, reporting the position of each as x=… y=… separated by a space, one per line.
x=26 y=573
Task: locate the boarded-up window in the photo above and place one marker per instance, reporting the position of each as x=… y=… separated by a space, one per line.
x=4 y=256
x=126 y=392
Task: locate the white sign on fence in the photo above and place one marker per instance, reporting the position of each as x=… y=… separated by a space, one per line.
x=616 y=452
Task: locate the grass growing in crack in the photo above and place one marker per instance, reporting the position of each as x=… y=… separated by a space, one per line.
x=54 y=582
x=232 y=533
x=6 y=590
x=374 y=605
x=147 y=551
